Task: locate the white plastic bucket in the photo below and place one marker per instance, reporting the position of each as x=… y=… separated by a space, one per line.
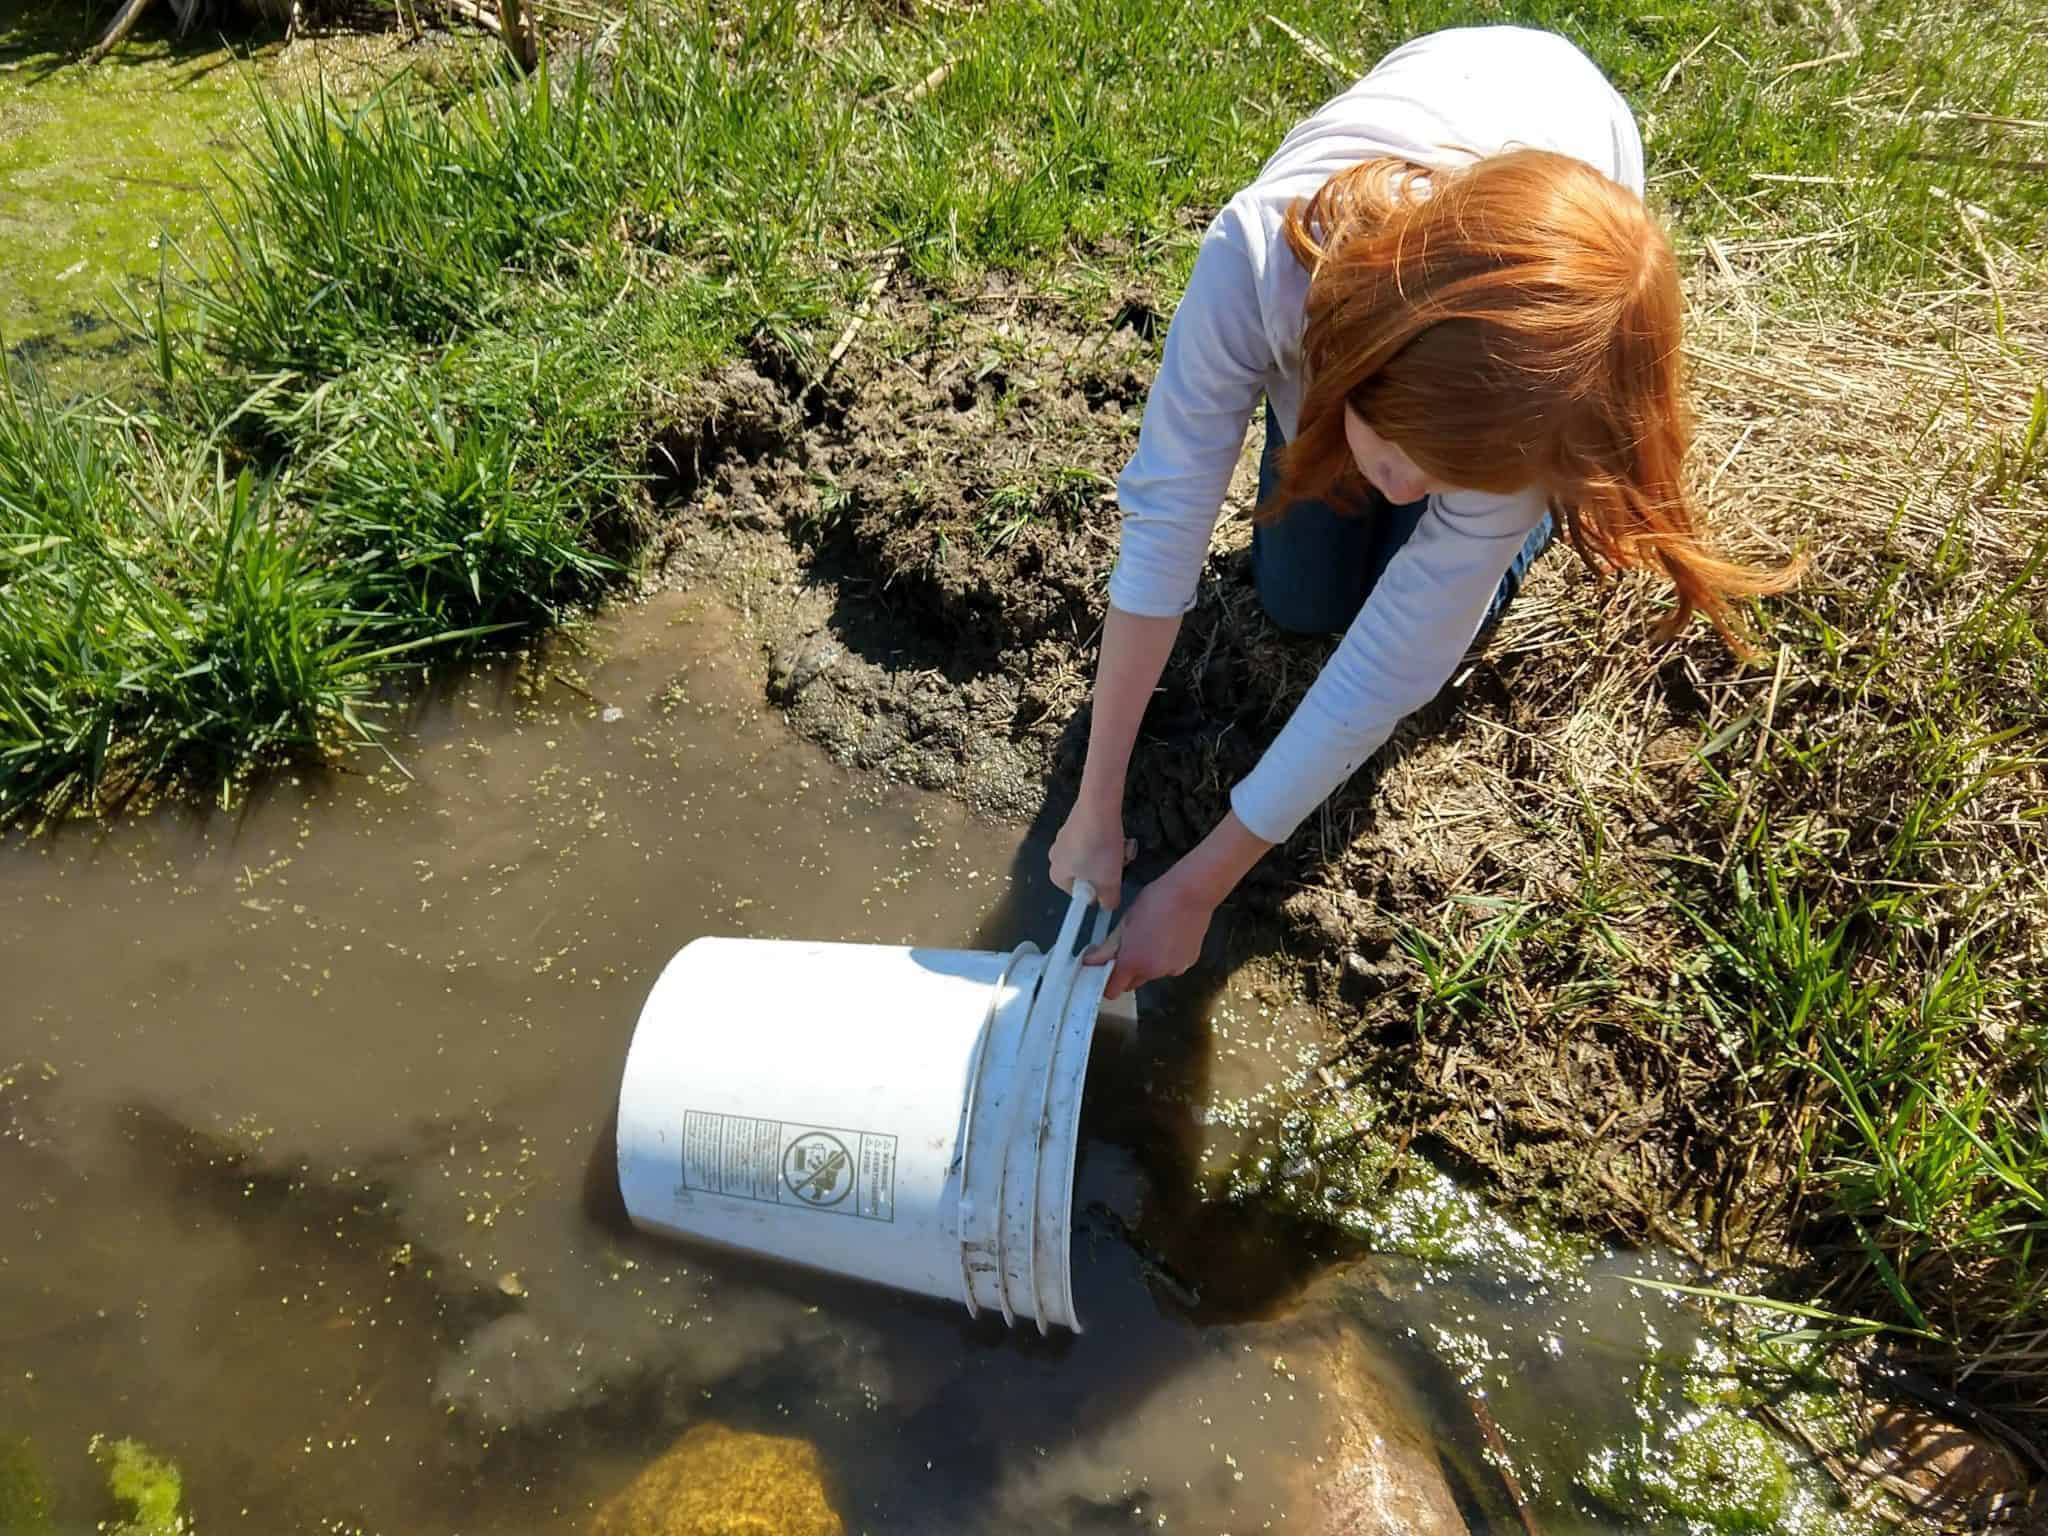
x=906 y=1116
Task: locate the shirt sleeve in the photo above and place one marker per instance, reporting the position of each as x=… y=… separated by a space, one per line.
x=1399 y=651
x=1212 y=374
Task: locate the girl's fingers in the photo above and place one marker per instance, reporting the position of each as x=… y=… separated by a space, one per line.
x=1126 y=975
x=1106 y=950
x=1130 y=849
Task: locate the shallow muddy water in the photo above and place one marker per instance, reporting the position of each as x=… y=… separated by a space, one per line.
x=309 y=1186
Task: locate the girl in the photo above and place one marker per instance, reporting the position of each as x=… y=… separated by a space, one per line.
x=1464 y=324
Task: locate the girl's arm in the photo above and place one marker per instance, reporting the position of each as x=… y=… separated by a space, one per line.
x=1091 y=845
x=1211 y=374
x=1162 y=935
x=1398 y=652
x=1210 y=377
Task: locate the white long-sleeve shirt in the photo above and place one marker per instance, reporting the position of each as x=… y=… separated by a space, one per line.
x=1440 y=101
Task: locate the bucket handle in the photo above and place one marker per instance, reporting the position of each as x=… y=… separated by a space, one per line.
x=1063 y=962
x=1055 y=986
x=1070 y=928
x=973 y=1223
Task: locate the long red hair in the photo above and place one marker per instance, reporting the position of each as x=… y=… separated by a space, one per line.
x=1511 y=323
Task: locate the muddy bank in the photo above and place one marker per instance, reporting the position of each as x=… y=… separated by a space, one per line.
x=919 y=544
x=921 y=548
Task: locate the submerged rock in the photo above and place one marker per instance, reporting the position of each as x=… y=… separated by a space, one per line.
x=716 y=1481
x=1378 y=1469
x=797 y=663
x=1940 y=1471
x=1294 y=1425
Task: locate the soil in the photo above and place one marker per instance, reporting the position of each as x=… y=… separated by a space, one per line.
x=925 y=587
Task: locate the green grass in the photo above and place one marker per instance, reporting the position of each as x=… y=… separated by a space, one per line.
x=1885 y=979
x=408 y=381
x=770 y=163
x=168 y=616
x=356 y=228
x=1061 y=496
x=435 y=510
x=156 y=610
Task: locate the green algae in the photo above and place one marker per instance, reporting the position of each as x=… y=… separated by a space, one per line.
x=1326 y=1159
x=100 y=166
x=148 y=1488
x=1330 y=1160
x=1714 y=1472
x=1432 y=1217
x=1701 y=1465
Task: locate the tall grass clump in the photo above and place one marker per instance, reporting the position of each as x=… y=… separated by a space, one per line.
x=157 y=614
x=164 y=615
x=399 y=225
x=1884 y=951
x=434 y=513
x=354 y=229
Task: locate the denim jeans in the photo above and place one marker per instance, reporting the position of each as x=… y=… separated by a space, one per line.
x=1315 y=568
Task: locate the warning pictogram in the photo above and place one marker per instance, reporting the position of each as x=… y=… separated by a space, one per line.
x=821 y=1168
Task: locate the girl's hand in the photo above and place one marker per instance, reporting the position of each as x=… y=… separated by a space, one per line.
x=1160 y=936
x=1092 y=847
x=1163 y=932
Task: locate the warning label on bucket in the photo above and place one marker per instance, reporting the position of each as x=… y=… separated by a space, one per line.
x=825 y=1168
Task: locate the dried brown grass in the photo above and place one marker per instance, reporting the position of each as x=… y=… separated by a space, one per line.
x=1605 y=814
